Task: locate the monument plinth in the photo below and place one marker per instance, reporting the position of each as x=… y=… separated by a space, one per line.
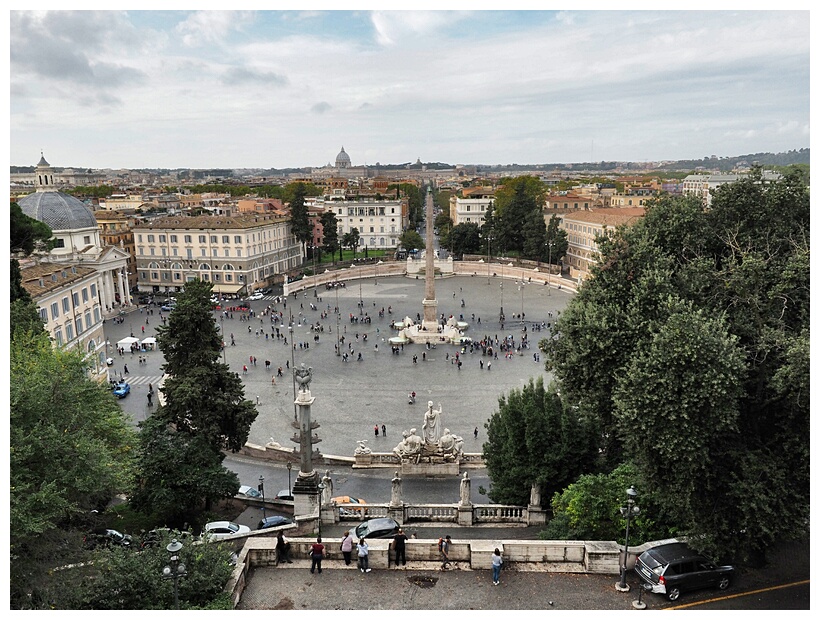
x=306 y=500
x=437 y=452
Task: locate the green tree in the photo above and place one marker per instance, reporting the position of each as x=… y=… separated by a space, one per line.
x=299 y=220
x=410 y=240
x=71 y=451
x=535 y=437
x=121 y=579
x=330 y=233
x=27 y=233
x=514 y=203
x=204 y=413
x=535 y=236
x=351 y=239
x=465 y=239
x=556 y=242
x=744 y=263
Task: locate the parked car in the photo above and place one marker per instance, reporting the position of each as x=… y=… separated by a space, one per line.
x=249 y=492
x=674 y=568
x=349 y=510
x=122 y=389
x=217 y=530
x=106 y=538
x=285 y=495
x=273 y=521
x=383 y=527
x=168 y=306
x=145 y=300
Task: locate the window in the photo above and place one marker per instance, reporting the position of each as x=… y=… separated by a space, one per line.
x=202 y=238
x=213 y=238
x=227 y=252
x=87 y=240
x=85 y=295
x=69 y=331
x=187 y=238
x=162 y=238
x=237 y=239
x=55 y=310
x=228 y=277
x=177 y=275
x=94 y=291
x=154 y=275
x=238 y=252
x=226 y=239
x=88 y=322
x=76 y=298
x=66 y=305
x=150 y=238
x=173 y=238
x=60 y=243
x=97 y=317
x=44 y=314
x=58 y=335
x=79 y=323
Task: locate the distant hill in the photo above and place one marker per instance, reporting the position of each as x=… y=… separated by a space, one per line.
x=723 y=164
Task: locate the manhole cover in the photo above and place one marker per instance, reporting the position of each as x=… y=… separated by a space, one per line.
x=422 y=581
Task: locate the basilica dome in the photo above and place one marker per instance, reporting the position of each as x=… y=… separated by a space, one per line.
x=60 y=211
x=342 y=159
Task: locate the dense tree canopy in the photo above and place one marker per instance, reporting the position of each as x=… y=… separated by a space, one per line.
x=465 y=239
x=689 y=344
x=536 y=437
x=71 y=450
x=330 y=232
x=204 y=413
x=410 y=240
x=300 y=223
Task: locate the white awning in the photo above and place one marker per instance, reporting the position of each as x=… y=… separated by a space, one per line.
x=127 y=342
x=149 y=341
x=228 y=288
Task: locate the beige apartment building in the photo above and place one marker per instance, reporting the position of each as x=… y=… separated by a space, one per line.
x=115 y=230
x=583 y=227
x=68 y=300
x=237 y=254
x=471 y=207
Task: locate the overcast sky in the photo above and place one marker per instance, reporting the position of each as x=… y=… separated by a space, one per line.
x=262 y=89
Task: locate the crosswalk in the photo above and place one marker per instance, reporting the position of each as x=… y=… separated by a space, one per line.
x=142 y=379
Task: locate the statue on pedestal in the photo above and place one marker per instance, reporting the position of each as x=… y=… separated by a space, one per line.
x=395 y=490
x=464 y=490
x=432 y=424
x=409 y=447
x=303 y=376
x=362 y=447
x=535 y=494
x=327 y=490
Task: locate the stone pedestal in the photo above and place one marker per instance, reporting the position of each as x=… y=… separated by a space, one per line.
x=397 y=513
x=306 y=494
x=536 y=515
x=429 y=469
x=465 y=515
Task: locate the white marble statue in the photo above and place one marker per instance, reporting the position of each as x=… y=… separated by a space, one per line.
x=432 y=426
x=362 y=447
x=451 y=445
x=535 y=494
x=465 y=490
x=395 y=490
x=410 y=446
x=327 y=490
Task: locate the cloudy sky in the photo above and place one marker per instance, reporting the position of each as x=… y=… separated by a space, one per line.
x=247 y=89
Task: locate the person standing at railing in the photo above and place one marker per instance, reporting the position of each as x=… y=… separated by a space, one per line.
x=497 y=562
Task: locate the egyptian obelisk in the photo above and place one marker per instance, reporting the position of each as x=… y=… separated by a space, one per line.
x=430 y=322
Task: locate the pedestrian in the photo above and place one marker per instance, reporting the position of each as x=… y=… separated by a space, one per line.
x=244 y=369
x=347 y=547
x=282 y=549
x=444 y=551
x=497 y=562
x=398 y=546
x=150 y=404
x=475 y=433
x=363 y=550
x=384 y=431
x=125 y=369
x=150 y=388
x=376 y=430
x=273 y=380
x=317 y=552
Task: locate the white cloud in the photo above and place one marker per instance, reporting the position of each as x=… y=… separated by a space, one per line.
x=207 y=27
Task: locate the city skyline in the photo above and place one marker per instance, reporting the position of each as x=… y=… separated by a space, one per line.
x=281 y=89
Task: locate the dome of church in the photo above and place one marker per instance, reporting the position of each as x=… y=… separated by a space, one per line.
x=60 y=211
x=342 y=159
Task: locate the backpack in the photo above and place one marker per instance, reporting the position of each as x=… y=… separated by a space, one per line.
x=440 y=544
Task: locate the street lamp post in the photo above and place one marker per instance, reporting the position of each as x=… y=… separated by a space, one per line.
x=262 y=491
x=549 y=267
x=175 y=569
x=289 y=465
x=521 y=288
x=321 y=487
x=313 y=252
x=631 y=508
x=361 y=303
x=489 y=241
x=338 y=342
x=292 y=367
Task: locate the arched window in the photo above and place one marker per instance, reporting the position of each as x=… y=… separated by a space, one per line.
x=227 y=268
x=204 y=266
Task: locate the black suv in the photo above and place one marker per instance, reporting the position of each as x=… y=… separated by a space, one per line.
x=674 y=568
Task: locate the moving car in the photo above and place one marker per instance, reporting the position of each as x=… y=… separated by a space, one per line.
x=383 y=527
x=273 y=521
x=218 y=530
x=674 y=568
x=255 y=297
x=349 y=510
x=167 y=307
x=122 y=389
x=249 y=492
x=285 y=495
